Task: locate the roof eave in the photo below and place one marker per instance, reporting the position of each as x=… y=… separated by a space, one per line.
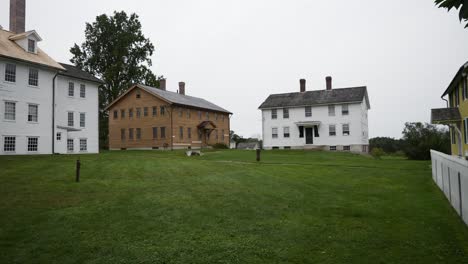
x=32 y=62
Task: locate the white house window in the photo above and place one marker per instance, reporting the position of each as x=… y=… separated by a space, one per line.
x=331 y=110
x=285 y=113
x=344 y=109
x=332 y=148
x=82 y=119
x=345 y=129
x=332 y=130
x=70 y=119
x=274 y=113
x=32 y=144
x=71 y=89
x=308 y=111
x=32 y=112
x=83 y=91
x=286 y=132
x=347 y=148
x=70 y=146
x=31 y=46
x=9 y=144
x=59 y=136
x=83 y=144
x=10 y=72
x=274 y=132
x=33 y=77
x=10 y=111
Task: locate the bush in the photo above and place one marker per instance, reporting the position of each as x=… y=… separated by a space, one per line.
x=377 y=153
x=220 y=146
x=420 y=138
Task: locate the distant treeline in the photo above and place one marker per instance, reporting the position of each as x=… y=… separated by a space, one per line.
x=418 y=139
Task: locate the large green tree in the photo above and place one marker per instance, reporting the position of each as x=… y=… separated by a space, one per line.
x=462 y=5
x=116 y=51
x=419 y=139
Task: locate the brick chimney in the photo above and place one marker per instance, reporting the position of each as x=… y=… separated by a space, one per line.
x=329 y=82
x=17 y=16
x=182 y=88
x=162 y=84
x=303 y=85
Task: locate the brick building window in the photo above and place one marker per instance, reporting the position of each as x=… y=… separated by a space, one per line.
x=145 y=111
x=155 y=132
x=162 y=110
x=122 y=134
x=163 y=132
x=181 y=132
x=122 y=113
x=189 y=132
x=130 y=133
x=138 y=133
x=155 y=111
x=130 y=113
x=138 y=112
x=116 y=114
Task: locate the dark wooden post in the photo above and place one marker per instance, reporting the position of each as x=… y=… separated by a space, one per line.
x=258 y=154
x=78 y=166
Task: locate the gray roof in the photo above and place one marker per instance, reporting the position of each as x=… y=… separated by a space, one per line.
x=441 y=115
x=181 y=99
x=74 y=72
x=319 y=97
x=456 y=80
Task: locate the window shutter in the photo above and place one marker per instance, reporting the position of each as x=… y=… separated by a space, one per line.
x=316 y=131
x=464 y=130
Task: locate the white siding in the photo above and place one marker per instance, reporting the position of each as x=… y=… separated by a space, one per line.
x=357 y=120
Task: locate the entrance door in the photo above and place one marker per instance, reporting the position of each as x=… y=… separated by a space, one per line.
x=309 y=135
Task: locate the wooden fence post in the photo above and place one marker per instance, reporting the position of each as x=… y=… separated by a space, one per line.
x=78 y=167
x=258 y=154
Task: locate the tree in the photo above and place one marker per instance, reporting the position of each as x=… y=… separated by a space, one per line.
x=420 y=138
x=386 y=144
x=116 y=51
x=457 y=4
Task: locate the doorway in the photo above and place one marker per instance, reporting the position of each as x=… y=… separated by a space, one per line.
x=309 y=135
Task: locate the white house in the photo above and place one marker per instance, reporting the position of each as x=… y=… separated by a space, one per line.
x=46 y=107
x=330 y=119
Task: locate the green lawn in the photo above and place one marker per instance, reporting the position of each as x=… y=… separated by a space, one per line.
x=223 y=207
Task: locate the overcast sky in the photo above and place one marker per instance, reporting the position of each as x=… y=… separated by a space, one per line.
x=236 y=53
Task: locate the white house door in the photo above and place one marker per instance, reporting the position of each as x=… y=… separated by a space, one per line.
x=309 y=135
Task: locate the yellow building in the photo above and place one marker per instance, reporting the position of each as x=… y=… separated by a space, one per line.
x=456 y=113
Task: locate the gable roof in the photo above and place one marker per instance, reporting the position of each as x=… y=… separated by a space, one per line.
x=175 y=98
x=456 y=79
x=318 y=97
x=9 y=49
x=74 y=72
x=25 y=35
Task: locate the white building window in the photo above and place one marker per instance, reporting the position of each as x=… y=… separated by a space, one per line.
x=33 y=112
x=308 y=111
x=274 y=132
x=83 y=144
x=10 y=111
x=70 y=119
x=71 y=89
x=32 y=144
x=31 y=45
x=33 y=77
x=344 y=109
x=285 y=113
x=70 y=146
x=59 y=136
x=274 y=113
x=83 y=91
x=347 y=148
x=286 y=132
x=332 y=148
x=9 y=144
x=331 y=110
x=345 y=129
x=10 y=72
x=332 y=130
x=82 y=119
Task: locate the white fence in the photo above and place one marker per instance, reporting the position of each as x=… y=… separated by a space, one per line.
x=451 y=175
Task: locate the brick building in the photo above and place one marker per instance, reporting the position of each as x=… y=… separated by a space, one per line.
x=150 y=118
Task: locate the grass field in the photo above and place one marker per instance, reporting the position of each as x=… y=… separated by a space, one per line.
x=223 y=207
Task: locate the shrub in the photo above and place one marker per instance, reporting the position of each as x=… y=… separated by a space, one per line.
x=420 y=138
x=377 y=153
x=220 y=146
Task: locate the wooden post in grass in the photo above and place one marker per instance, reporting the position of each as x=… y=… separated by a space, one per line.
x=78 y=166
x=258 y=155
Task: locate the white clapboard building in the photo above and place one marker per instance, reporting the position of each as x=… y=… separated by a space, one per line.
x=46 y=107
x=330 y=119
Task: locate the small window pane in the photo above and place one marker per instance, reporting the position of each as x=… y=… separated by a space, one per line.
x=10 y=110
x=155 y=132
x=59 y=136
x=286 y=132
x=10 y=73
x=332 y=130
x=274 y=114
x=181 y=132
x=70 y=146
x=82 y=119
x=70 y=119
x=345 y=129
x=344 y=109
x=189 y=132
x=31 y=45
x=83 y=144
x=308 y=111
x=122 y=134
x=145 y=111
x=285 y=113
x=130 y=133
x=116 y=114
x=122 y=113
x=32 y=113
x=138 y=133
x=9 y=144
x=32 y=144
x=71 y=89
x=33 y=77
x=82 y=91
x=162 y=110
x=331 y=110
x=274 y=132
x=163 y=132
x=138 y=112
x=155 y=111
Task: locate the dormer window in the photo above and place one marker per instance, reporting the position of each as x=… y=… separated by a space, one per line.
x=31 y=45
